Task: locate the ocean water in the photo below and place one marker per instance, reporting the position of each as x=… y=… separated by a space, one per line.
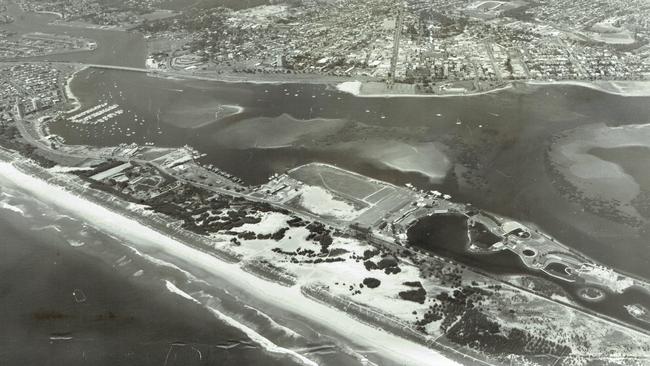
x=70 y=294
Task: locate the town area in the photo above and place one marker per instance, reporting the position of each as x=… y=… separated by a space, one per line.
x=449 y=47
x=416 y=46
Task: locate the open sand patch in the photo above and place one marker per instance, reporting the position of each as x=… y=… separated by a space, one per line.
x=274 y=132
x=584 y=159
x=425 y=158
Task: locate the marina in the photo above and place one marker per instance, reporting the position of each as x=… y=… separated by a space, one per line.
x=485 y=125
x=98 y=114
x=411 y=183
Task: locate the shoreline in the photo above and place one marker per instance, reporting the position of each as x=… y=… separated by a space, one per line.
x=346 y=84
x=60 y=15
x=144 y=238
x=71 y=95
x=357 y=92
x=62 y=23
x=623 y=88
x=242 y=78
x=641 y=88
x=605 y=86
x=76 y=104
x=231 y=319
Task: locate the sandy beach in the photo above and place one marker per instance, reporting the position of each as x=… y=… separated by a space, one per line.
x=151 y=242
x=625 y=88
x=72 y=99
x=356 y=88
x=244 y=78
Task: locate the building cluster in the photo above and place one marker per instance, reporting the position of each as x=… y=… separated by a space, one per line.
x=582 y=14
x=36 y=44
x=115 y=14
x=140 y=181
x=520 y=44
x=542 y=52
x=343 y=38
x=27 y=89
x=455 y=41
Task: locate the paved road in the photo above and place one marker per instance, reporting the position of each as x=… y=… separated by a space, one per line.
x=257 y=78
x=305 y=215
x=495 y=67
x=27 y=135
x=377 y=241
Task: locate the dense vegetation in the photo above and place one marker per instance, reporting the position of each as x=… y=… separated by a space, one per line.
x=371 y=282
x=474 y=329
x=10 y=139
x=418 y=294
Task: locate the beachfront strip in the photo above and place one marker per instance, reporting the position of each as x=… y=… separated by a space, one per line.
x=355 y=244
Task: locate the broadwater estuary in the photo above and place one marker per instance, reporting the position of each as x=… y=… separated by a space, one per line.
x=490 y=150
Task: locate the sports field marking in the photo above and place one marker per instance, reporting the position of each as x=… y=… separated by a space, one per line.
x=382 y=196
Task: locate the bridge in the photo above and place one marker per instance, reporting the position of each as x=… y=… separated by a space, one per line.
x=122 y=68
x=115 y=67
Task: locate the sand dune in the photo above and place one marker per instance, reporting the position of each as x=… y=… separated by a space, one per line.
x=426 y=158
x=597 y=177
x=151 y=242
x=273 y=132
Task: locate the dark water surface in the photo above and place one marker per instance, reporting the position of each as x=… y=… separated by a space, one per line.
x=446 y=235
x=121 y=322
x=70 y=294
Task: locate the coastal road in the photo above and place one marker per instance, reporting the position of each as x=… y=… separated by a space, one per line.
x=44 y=146
x=257 y=78
x=392 y=246
x=582 y=72
x=28 y=136
x=495 y=67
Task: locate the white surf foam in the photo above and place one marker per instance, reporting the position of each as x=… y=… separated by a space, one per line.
x=172 y=288
x=76 y=243
x=162 y=263
x=48 y=227
x=289 y=332
x=258 y=338
x=13 y=208
x=250 y=333
x=290 y=299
